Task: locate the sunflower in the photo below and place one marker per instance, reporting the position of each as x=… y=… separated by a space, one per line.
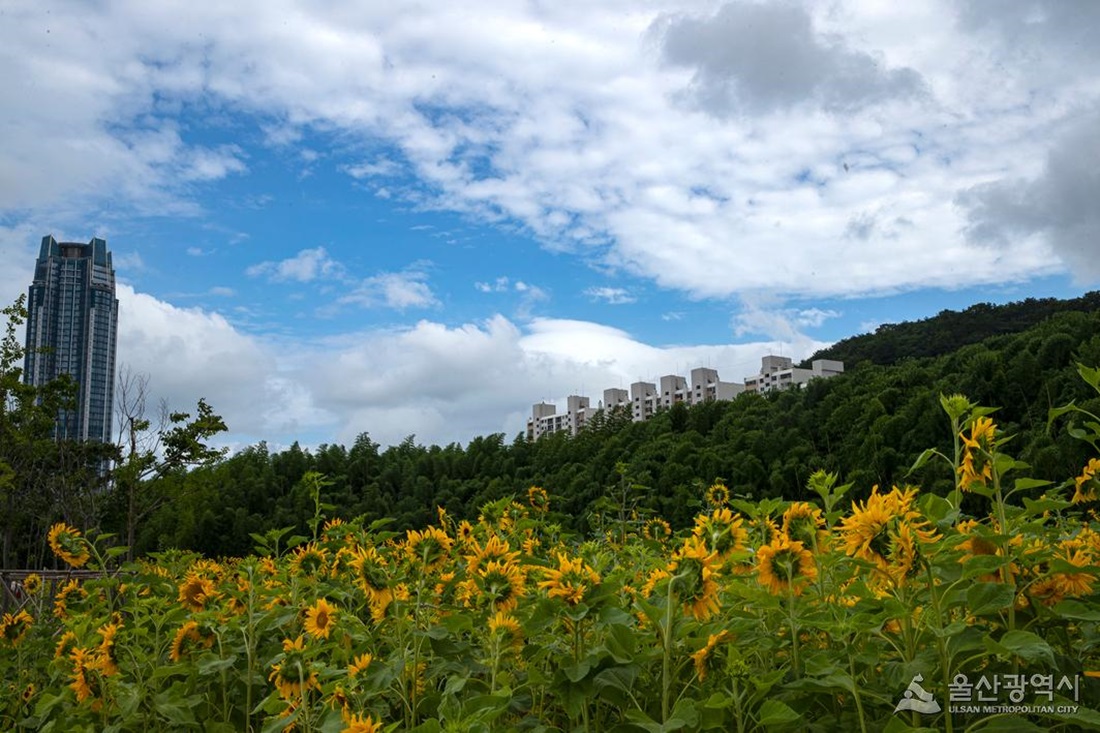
x=702 y=659
x=32 y=584
x=309 y=561
x=293 y=675
x=784 y=566
x=14 y=626
x=105 y=660
x=320 y=618
x=430 y=548
x=507 y=627
x=195 y=591
x=1075 y=584
x=721 y=532
x=1087 y=484
x=65 y=645
x=803 y=522
x=363 y=724
x=85 y=685
x=717 y=495
x=496 y=548
x=886 y=530
x=976 y=468
x=189 y=632
x=693 y=576
x=372 y=577
x=656 y=529
x=359 y=664
x=67 y=544
x=28 y=692
x=335 y=529
x=570 y=581
x=465 y=533
x=500 y=584
x=238 y=602
x=538 y=499
x=72 y=590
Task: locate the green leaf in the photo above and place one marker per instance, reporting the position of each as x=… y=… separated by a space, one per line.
x=980 y=565
x=776 y=712
x=1077 y=610
x=621 y=643
x=987 y=598
x=1028 y=646
x=212 y=664
x=1005 y=724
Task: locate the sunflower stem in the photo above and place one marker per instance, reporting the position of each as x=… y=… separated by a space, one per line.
x=666 y=654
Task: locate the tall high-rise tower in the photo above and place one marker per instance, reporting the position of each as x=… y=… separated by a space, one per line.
x=72 y=328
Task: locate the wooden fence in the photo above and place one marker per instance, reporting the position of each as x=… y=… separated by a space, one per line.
x=12 y=595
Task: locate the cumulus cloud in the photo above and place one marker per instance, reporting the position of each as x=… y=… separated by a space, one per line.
x=837 y=137
x=306 y=266
x=760 y=57
x=611 y=296
x=1058 y=205
x=399 y=290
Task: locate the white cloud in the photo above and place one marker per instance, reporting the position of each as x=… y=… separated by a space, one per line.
x=398 y=290
x=612 y=296
x=839 y=138
x=306 y=266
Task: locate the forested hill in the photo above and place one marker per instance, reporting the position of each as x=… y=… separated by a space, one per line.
x=951 y=330
x=868 y=426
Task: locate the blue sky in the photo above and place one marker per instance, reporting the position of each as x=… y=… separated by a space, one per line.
x=329 y=220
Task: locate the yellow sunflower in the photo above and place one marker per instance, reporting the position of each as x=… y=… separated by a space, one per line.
x=320 y=618
x=65 y=645
x=717 y=495
x=14 y=626
x=495 y=548
x=538 y=499
x=371 y=573
x=507 y=627
x=785 y=566
x=721 y=532
x=693 y=575
x=359 y=665
x=888 y=531
x=189 y=635
x=85 y=685
x=570 y=581
x=32 y=584
x=195 y=591
x=363 y=724
x=1075 y=584
x=656 y=529
x=293 y=675
x=1087 y=484
x=465 y=533
x=71 y=592
x=430 y=548
x=500 y=584
x=703 y=657
x=67 y=544
x=804 y=522
x=976 y=468
x=309 y=560
x=105 y=660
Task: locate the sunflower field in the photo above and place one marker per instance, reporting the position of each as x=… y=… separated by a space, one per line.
x=903 y=610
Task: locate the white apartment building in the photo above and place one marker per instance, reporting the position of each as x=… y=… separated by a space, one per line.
x=779 y=372
x=644 y=400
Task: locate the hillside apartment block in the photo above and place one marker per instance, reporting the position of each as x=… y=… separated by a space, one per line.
x=646 y=398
